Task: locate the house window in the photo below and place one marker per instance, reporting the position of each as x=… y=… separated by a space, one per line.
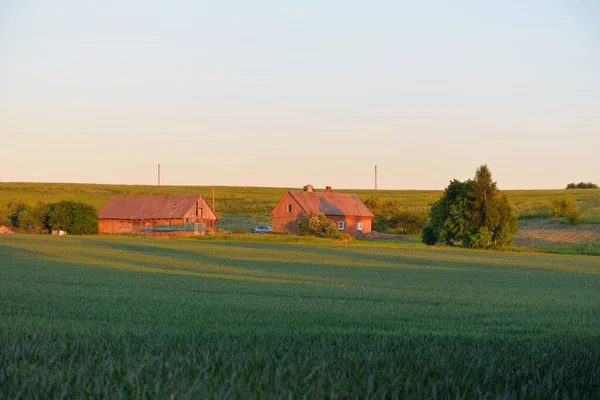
x=340 y=225
x=289 y=207
x=359 y=226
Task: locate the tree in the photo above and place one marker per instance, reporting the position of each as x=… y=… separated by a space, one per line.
x=9 y=213
x=85 y=219
x=566 y=208
x=4 y=215
x=473 y=213
x=74 y=217
x=582 y=185
x=505 y=223
x=447 y=216
x=482 y=195
x=318 y=225
x=392 y=217
x=34 y=217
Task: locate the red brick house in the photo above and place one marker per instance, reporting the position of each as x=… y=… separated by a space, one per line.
x=345 y=209
x=128 y=214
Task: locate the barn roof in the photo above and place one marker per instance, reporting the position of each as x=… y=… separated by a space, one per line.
x=148 y=207
x=330 y=203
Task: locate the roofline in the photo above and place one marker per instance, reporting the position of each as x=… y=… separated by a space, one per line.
x=210 y=208
x=199 y=197
x=297 y=202
x=281 y=201
x=330 y=215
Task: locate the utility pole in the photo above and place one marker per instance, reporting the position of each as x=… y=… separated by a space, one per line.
x=213 y=207
x=158 y=174
x=376 y=177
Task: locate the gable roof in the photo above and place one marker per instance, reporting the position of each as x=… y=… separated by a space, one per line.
x=148 y=207
x=332 y=204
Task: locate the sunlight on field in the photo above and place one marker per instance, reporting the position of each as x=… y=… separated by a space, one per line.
x=244 y=207
x=107 y=316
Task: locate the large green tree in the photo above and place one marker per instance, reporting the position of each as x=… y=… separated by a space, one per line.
x=74 y=217
x=473 y=213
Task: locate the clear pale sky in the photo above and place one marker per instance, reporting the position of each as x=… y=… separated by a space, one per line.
x=282 y=93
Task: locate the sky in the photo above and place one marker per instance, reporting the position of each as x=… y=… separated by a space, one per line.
x=283 y=93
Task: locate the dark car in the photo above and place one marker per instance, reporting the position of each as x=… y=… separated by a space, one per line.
x=262 y=229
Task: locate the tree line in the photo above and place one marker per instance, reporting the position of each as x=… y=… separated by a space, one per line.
x=582 y=185
x=76 y=218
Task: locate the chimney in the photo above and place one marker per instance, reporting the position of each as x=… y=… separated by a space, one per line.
x=328 y=189
x=308 y=188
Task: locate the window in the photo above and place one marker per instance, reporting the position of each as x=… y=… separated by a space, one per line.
x=340 y=225
x=289 y=207
x=359 y=226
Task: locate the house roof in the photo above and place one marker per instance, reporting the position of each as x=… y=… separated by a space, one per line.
x=332 y=204
x=148 y=207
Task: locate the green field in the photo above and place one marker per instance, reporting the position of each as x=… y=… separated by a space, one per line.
x=244 y=207
x=127 y=317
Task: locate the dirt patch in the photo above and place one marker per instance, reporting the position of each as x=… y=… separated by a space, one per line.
x=551 y=233
x=5 y=229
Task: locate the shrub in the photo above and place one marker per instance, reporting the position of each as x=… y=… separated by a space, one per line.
x=318 y=225
x=34 y=217
x=405 y=222
x=85 y=219
x=4 y=216
x=9 y=212
x=391 y=217
x=566 y=208
x=428 y=236
x=74 y=217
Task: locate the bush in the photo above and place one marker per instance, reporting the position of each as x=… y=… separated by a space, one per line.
x=318 y=225
x=4 y=216
x=74 y=217
x=406 y=223
x=9 y=212
x=428 y=236
x=391 y=217
x=566 y=208
x=34 y=217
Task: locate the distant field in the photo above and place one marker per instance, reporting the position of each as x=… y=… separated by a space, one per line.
x=254 y=204
x=124 y=317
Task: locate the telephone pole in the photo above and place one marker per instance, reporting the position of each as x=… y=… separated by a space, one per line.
x=158 y=174
x=376 y=177
x=213 y=207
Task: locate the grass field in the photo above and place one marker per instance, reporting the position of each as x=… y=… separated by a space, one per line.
x=239 y=207
x=127 y=317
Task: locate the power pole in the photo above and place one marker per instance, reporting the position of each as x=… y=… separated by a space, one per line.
x=158 y=174
x=376 y=177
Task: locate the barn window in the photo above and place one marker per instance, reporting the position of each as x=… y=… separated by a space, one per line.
x=289 y=207
x=340 y=225
x=359 y=226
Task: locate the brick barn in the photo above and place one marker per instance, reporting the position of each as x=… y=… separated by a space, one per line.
x=345 y=209
x=130 y=214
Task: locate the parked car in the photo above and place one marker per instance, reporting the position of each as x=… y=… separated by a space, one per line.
x=262 y=229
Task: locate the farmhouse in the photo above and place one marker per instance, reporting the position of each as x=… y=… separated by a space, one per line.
x=345 y=209
x=171 y=213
